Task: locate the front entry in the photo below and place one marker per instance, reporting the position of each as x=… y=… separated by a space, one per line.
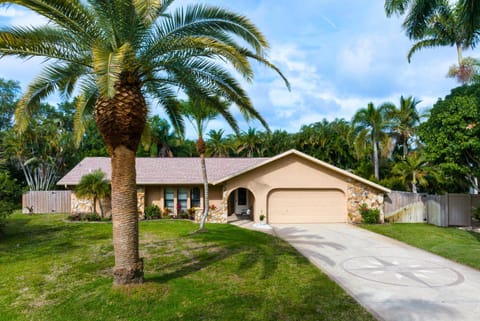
x=240 y=203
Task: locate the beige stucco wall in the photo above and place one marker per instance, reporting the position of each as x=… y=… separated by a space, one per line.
x=154 y=194
x=290 y=172
x=295 y=172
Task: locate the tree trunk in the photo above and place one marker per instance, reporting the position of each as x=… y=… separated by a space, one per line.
x=414 y=183
x=459 y=54
x=101 y=206
x=375 y=159
x=201 y=151
x=128 y=266
x=94 y=209
x=121 y=121
x=405 y=148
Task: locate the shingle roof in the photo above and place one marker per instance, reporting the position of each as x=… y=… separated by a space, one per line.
x=187 y=171
x=172 y=171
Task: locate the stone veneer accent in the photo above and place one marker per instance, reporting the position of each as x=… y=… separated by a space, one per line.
x=218 y=215
x=141 y=202
x=79 y=205
x=358 y=194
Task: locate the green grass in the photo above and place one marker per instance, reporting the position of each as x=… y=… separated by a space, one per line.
x=452 y=243
x=53 y=270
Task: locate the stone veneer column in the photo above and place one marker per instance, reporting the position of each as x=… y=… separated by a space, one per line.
x=141 y=202
x=358 y=194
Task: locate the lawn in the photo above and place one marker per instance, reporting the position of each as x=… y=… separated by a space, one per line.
x=54 y=270
x=454 y=244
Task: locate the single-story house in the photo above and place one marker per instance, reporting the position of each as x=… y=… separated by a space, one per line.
x=291 y=187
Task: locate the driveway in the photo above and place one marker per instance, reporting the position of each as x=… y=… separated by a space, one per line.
x=392 y=280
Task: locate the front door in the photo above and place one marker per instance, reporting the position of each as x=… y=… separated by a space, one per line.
x=241 y=201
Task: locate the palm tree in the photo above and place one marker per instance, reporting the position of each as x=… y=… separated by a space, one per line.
x=249 y=143
x=437 y=23
x=370 y=124
x=217 y=145
x=412 y=170
x=199 y=112
x=94 y=185
x=405 y=121
x=120 y=52
x=157 y=138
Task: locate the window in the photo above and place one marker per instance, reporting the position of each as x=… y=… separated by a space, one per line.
x=182 y=200
x=242 y=196
x=169 y=198
x=195 y=197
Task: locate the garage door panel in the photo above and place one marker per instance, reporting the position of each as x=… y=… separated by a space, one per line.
x=307 y=206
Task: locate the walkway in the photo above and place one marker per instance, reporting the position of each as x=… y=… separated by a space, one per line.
x=394 y=281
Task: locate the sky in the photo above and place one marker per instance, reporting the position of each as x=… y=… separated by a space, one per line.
x=337 y=55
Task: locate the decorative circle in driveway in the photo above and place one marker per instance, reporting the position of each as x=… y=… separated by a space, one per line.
x=400 y=271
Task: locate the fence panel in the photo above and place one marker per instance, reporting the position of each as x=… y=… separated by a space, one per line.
x=405 y=207
x=459 y=209
x=437 y=209
x=36 y=202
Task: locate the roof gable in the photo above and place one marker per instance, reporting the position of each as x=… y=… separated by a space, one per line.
x=310 y=159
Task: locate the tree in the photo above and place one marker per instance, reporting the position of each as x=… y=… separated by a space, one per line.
x=199 y=112
x=412 y=170
x=10 y=197
x=41 y=151
x=217 y=145
x=370 y=124
x=120 y=52
x=249 y=143
x=405 y=119
x=452 y=138
x=438 y=23
x=9 y=93
x=94 y=185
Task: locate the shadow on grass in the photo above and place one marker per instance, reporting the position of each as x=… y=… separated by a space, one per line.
x=30 y=237
x=249 y=248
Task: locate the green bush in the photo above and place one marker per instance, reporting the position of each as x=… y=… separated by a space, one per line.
x=10 y=193
x=369 y=215
x=476 y=213
x=87 y=217
x=152 y=212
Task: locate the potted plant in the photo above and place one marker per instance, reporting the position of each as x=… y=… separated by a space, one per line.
x=262 y=218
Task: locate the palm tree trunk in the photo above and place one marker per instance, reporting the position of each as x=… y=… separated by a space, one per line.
x=121 y=121
x=459 y=54
x=405 y=148
x=375 y=159
x=128 y=266
x=201 y=151
x=414 y=183
x=94 y=209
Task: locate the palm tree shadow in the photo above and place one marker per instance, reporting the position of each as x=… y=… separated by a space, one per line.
x=250 y=247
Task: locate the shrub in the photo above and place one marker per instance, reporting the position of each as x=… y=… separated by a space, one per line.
x=262 y=217
x=476 y=213
x=191 y=212
x=369 y=215
x=10 y=193
x=86 y=217
x=152 y=212
x=166 y=212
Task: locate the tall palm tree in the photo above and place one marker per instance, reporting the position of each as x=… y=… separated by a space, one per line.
x=200 y=112
x=120 y=52
x=370 y=124
x=405 y=121
x=437 y=23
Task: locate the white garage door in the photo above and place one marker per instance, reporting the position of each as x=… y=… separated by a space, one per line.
x=307 y=206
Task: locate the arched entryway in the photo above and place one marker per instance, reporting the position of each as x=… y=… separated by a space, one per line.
x=241 y=203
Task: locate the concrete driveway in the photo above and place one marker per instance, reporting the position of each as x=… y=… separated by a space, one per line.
x=392 y=280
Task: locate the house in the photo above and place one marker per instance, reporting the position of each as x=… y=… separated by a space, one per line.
x=291 y=187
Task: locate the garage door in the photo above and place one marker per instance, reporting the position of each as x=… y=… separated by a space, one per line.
x=307 y=206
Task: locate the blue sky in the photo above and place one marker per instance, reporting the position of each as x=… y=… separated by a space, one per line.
x=338 y=56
